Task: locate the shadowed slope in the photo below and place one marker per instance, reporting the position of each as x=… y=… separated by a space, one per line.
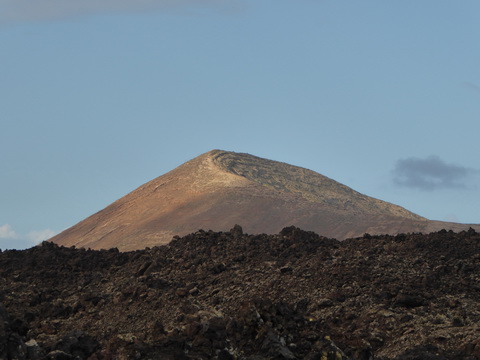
x=308 y=184
x=219 y=189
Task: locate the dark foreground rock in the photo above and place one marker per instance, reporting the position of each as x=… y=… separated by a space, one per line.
x=231 y=295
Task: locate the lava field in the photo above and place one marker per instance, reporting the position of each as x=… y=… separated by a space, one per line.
x=231 y=295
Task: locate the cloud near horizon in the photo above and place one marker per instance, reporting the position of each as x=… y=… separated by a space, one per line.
x=38 y=236
x=10 y=239
x=6 y=232
x=430 y=174
x=13 y=11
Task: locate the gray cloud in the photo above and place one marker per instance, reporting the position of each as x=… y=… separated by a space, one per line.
x=13 y=11
x=430 y=173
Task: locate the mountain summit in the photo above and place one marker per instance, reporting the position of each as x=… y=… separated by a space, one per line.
x=219 y=189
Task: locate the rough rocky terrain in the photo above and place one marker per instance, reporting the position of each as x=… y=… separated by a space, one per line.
x=230 y=295
x=221 y=188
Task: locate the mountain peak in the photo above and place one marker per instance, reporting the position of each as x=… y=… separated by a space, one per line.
x=219 y=189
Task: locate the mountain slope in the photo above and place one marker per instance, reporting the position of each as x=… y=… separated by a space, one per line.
x=219 y=189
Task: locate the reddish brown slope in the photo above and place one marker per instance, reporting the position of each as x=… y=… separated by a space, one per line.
x=219 y=189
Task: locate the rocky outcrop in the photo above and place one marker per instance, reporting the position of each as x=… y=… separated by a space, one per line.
x=12 y=345
x=231 y=295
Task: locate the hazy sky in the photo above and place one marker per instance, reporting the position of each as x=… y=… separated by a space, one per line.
x=100 y=96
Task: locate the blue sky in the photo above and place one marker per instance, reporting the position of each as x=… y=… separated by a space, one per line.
x=101 y=96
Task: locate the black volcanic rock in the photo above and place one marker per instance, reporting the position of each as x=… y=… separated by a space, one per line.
x=231 y=295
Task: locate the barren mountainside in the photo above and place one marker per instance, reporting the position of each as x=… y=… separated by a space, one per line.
x=219 y=189
x=308 y=184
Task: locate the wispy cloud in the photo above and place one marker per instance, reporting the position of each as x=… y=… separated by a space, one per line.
x=471 y=86
x=6 y=232
x=10 y=239
x=430 y=173
x=12 y=11
x=38 y=236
